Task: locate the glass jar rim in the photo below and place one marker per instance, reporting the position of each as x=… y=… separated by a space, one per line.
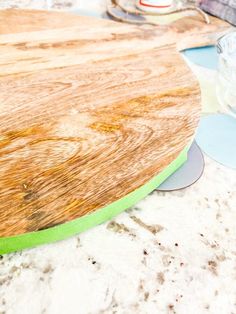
x=226 y=48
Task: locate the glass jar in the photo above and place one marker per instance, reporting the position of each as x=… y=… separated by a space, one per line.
x=226 y=81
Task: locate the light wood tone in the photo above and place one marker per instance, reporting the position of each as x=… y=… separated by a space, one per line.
x=90 y=110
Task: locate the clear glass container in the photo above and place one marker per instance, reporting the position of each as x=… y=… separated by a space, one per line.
x=226 y=81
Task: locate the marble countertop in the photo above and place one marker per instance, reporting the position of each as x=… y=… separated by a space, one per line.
x=172 y=253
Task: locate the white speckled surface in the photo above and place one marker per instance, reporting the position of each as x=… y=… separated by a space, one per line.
x=172 y=253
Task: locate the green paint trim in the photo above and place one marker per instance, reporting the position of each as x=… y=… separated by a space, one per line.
x=60 y=232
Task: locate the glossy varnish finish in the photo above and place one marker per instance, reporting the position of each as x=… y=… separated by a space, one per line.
x=90 y=110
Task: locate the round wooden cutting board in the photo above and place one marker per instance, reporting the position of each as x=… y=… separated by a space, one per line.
x=94 y=115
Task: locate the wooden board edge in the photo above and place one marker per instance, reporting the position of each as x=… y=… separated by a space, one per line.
x=66 y=230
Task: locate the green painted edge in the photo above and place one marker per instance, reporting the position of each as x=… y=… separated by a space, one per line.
x=63 y=231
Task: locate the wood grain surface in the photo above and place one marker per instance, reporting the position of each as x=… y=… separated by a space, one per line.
x=90 y=110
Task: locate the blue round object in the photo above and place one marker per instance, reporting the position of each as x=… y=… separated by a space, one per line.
x=204 y=56
x=216 y=136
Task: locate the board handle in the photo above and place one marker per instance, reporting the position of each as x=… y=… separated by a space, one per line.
x=201 y=40
x=192 y=32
